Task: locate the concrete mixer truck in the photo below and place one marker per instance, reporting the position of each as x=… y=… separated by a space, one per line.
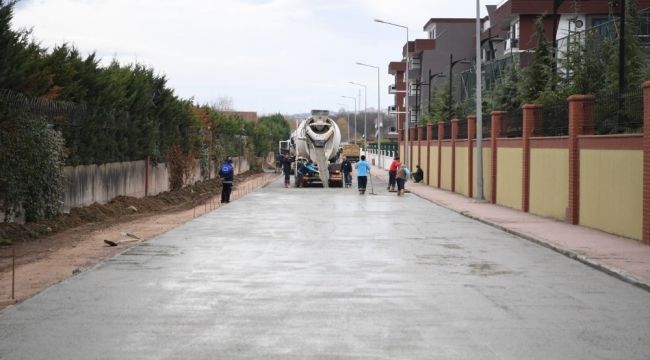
x=316 y=142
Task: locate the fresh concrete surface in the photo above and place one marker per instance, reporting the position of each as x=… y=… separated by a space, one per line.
x=368 y=277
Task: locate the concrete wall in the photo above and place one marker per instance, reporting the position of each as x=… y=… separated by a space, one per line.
x=88 y=184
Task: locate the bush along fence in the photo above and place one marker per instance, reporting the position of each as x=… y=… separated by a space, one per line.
x=555 y=161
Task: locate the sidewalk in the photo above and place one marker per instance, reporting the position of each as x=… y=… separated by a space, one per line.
x=624 y=258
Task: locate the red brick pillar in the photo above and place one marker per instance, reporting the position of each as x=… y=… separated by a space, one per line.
x=429 y=138
x=412 y=134
x=441 y=136
x=454 y=135
x=471 y=134
x=645 y=236
x=495 y=133
x=532 y=120
x=580 y=112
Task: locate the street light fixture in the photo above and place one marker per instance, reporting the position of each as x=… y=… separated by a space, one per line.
x=355 y=119
x=378 y=121
x=429 y=84
x=453 y=63
x=365 y=113
x=407 y=119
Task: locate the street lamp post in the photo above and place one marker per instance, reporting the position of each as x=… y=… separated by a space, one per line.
x=365 y=114
x=378 y=121
x=431 y=77
x=479 y=106
x=453 y=63
x=355 y=118
x=407 y=119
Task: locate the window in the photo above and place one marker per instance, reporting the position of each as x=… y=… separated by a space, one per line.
x=514 y=30
x=601 y=27
x=432 y=32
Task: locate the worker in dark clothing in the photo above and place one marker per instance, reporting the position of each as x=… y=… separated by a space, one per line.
x=346 y=167
x=227 y=174
x=286 y=169
x=418 y=175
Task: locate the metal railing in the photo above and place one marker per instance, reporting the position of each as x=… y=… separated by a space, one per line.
x=513 y=124
x=462 y=129
x=447 y=134
x=555 y=120
x=487 y=125
x=616 y=114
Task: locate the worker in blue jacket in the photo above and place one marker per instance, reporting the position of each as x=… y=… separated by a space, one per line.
x=363 y=171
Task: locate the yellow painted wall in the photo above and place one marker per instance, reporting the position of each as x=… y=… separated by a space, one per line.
x=611 y=191
x=509 y=177
x=424 y=164
x=461 y=171
x=433 y=165
x=445 y=161
x=549 y=182
x=487 y=170
x=418 y=151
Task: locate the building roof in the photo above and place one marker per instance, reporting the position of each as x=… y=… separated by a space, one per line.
x=447 y=21
x=396 y=66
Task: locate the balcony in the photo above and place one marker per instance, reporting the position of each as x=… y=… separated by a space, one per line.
x=395 y=67
x=512 y=43
x=413 y=101
x=415 y=74
x=392 y=89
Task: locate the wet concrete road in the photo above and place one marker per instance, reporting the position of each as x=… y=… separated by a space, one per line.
x=373 y=277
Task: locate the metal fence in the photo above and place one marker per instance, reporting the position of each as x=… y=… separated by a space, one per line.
x=555 y=120
x=58 y=113
x=487 y=125
x=513 y=124
x=462 y=129
x=434 y=132
x=447 y=134
x=616 y=114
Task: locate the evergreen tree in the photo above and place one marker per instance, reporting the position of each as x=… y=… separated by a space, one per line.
x=538 y=77
x=505 y=96
x=440 y=110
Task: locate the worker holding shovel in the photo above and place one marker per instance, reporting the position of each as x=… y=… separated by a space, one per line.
x=363 y=171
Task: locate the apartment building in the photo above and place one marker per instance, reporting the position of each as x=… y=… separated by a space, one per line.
x=448 y=41
x=508 y=30
x=507 y=38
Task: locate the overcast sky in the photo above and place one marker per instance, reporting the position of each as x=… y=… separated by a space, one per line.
x=269 y=56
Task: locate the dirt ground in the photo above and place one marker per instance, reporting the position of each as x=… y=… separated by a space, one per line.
x=53 y=250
